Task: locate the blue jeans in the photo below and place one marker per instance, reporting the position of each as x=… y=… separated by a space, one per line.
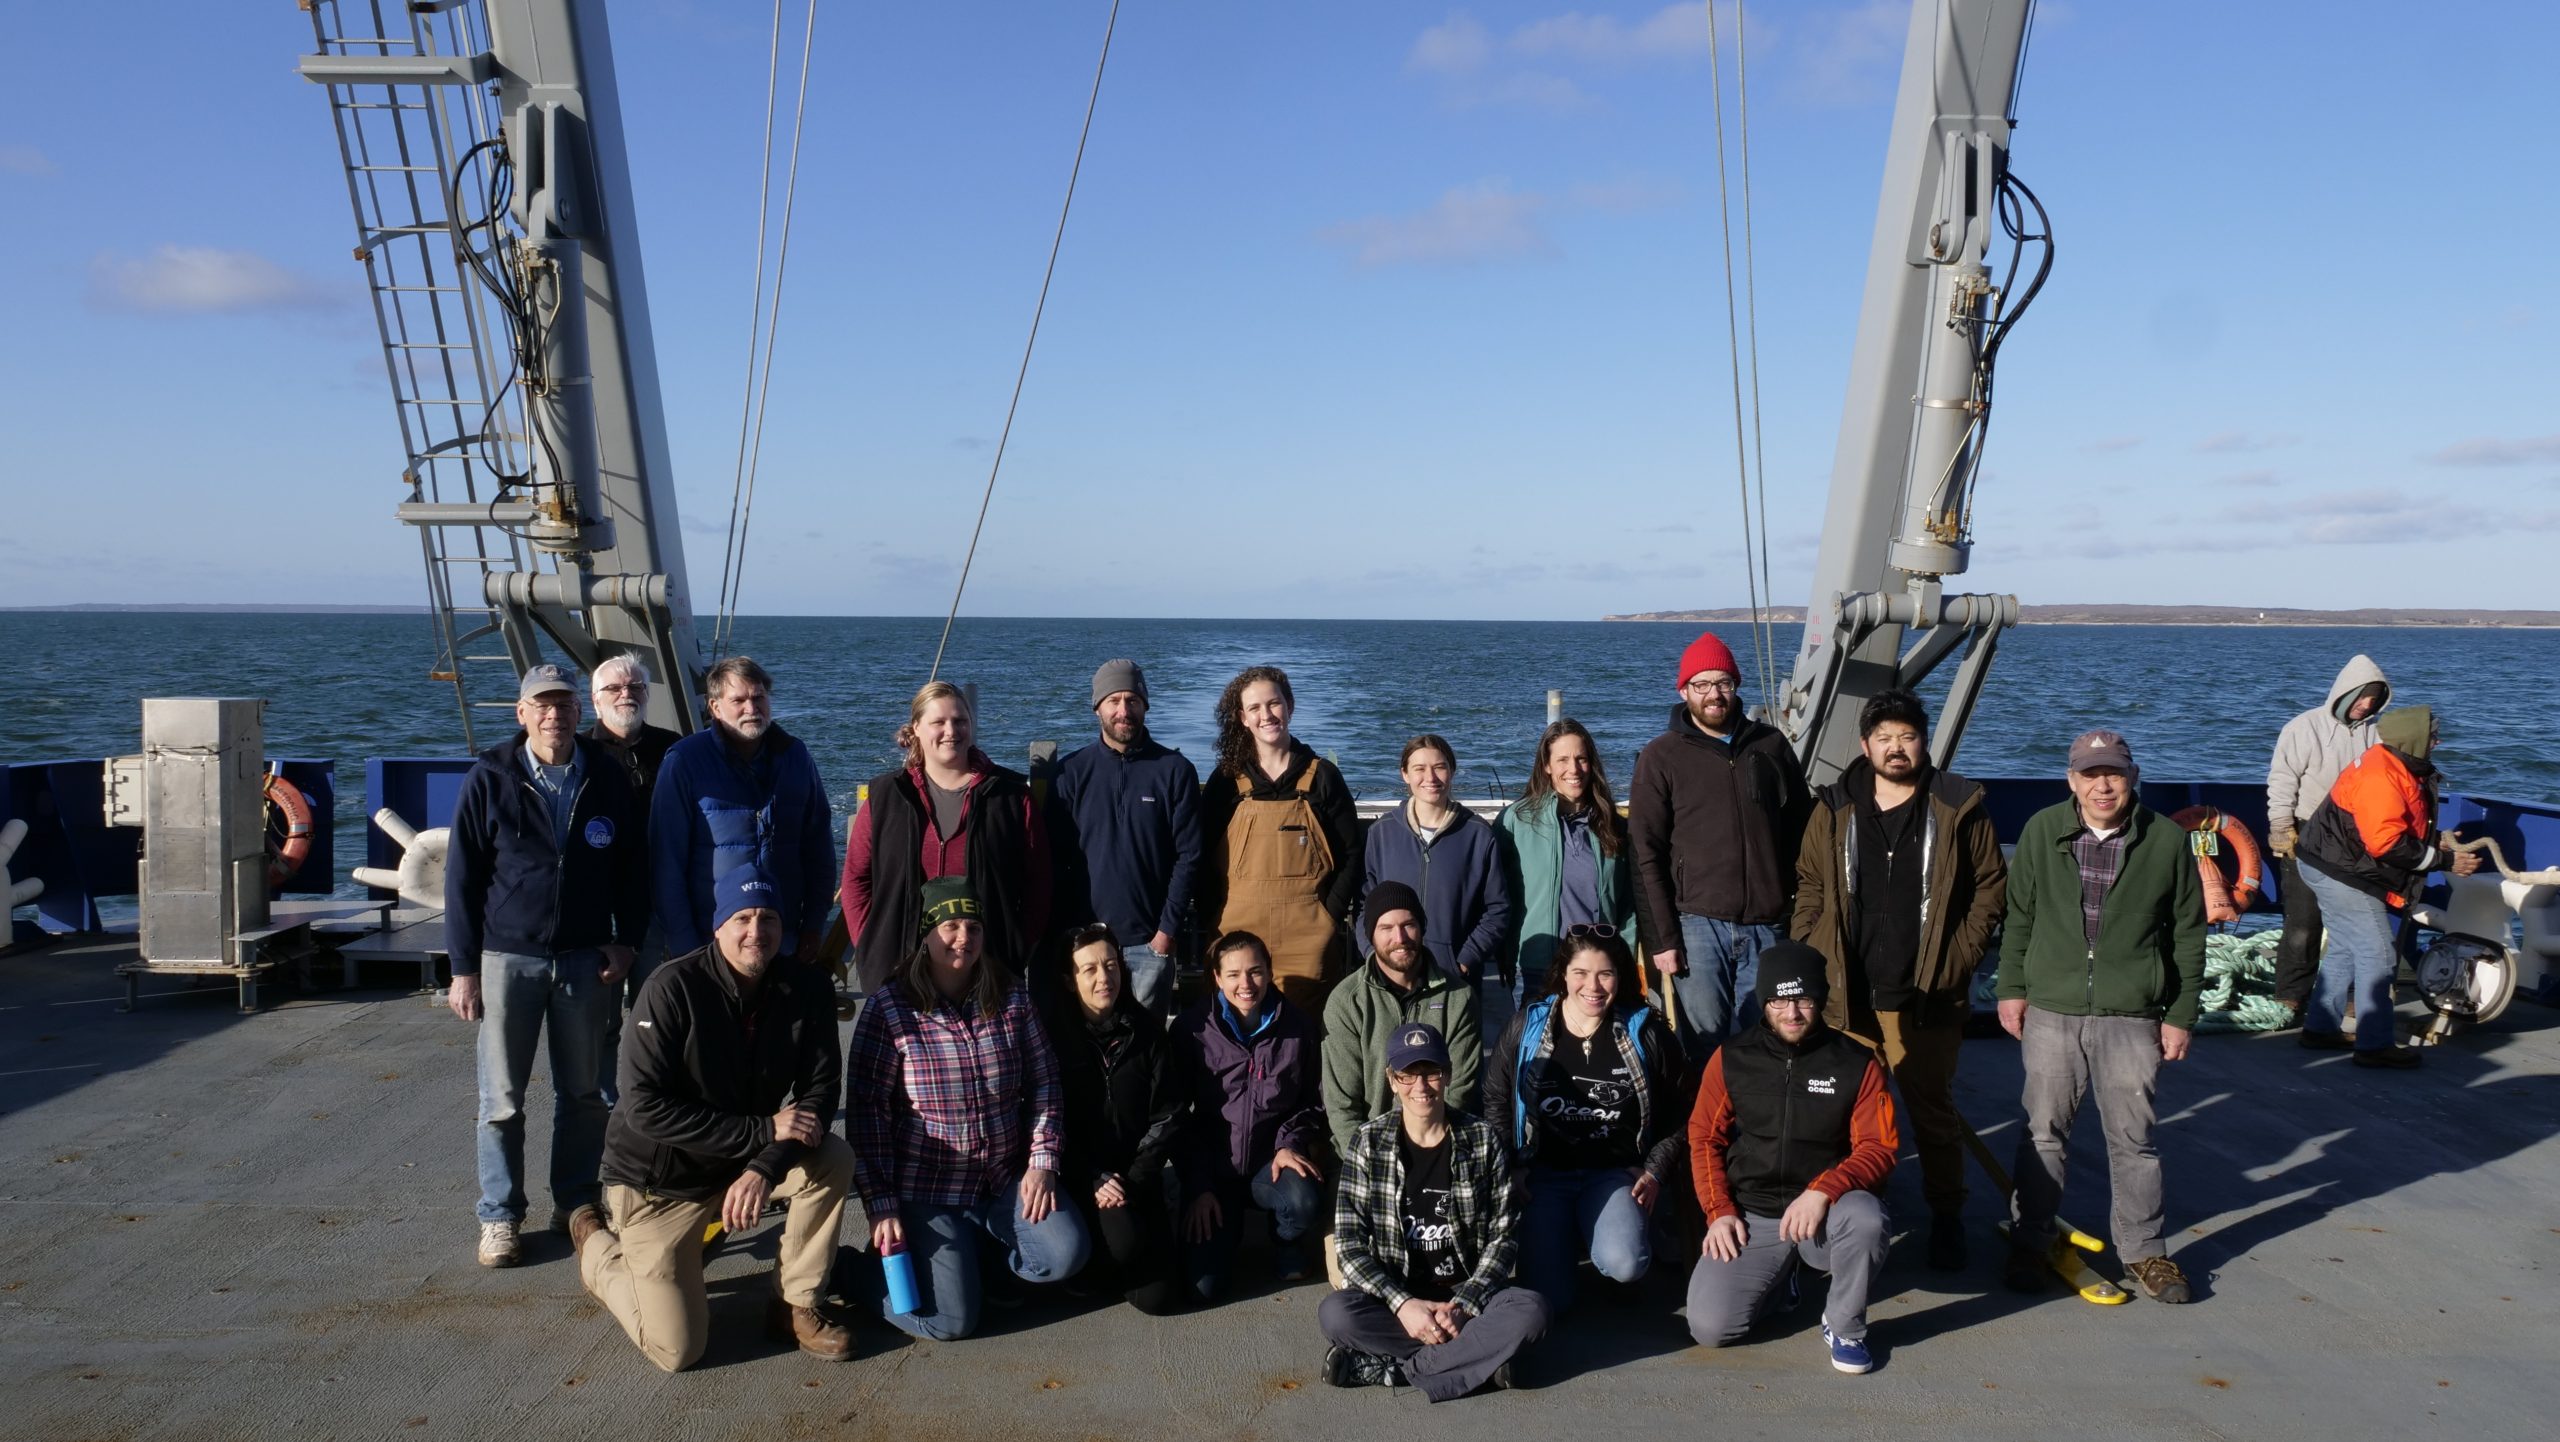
x=2359 y=965
x=1150 y=977
x=522 y=997
x=644 y=960
x=1719 y=966
x=1574 y=1213
x=944 y=1244
x=1297 y=1208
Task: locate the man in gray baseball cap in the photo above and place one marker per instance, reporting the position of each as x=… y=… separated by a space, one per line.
x=2101 y=967
x=546 y=895
x=1134 y=851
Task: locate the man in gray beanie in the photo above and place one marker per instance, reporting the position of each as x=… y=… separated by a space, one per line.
x=1133 y=843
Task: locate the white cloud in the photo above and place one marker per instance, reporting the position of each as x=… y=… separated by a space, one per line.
x=1467 y=225
x=1851 y=56
x=24 y=160
x=2495 y=451
x=201 y=280
x=2250 y=480
x=1486 y=221
x=1455 y=46
x=1675 y=32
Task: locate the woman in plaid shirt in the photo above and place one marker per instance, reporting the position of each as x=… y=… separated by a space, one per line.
x=952 y=1109
x=1427 y=1223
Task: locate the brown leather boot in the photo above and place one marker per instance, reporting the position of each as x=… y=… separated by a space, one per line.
x=585 y=1222
x=816 y=1333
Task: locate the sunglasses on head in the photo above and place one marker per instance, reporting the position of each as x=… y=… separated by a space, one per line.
x=1600 y=929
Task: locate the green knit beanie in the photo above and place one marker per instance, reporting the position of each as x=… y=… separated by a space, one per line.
x=2409 y=730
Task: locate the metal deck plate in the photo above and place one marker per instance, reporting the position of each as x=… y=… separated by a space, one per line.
x=260 y=1226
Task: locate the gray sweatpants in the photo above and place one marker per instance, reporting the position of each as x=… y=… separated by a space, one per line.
x=1725 y=1298
x=2067 y=1058
x=1512 y=1319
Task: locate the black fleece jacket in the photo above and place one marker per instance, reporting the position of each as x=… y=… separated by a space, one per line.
x=705 y=1067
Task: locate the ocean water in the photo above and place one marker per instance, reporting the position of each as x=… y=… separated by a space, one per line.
x=2198 y=703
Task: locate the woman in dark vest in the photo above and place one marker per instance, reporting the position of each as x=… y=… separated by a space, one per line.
x=1124 y=1101
x=949 y=811
x=1280 y=838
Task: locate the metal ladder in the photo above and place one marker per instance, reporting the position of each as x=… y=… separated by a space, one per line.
x=441 y=344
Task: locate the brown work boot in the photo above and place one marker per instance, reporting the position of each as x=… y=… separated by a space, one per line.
x=584 y=1222
x=2159 y=1279
x=817 y=1334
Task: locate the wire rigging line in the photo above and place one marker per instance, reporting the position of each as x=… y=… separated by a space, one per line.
x=1023 y=371
x=755 y=323
x=1733 y=349
x=1751 y=311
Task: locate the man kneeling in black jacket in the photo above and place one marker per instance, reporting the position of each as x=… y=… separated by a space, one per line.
x=730 y=1068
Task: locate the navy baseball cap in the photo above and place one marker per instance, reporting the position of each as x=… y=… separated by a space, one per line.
x=1415 y=1044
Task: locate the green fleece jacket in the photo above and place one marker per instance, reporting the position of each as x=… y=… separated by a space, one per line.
x=1362 y=1016
x=2149 y=958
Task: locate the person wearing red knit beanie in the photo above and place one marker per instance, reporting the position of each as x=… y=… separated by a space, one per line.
x=1714 y=819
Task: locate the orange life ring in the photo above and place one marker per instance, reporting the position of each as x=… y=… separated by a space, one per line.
x=2225 y=896
x=286 y=858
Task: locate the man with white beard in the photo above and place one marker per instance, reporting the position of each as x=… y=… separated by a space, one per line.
x=620 y=689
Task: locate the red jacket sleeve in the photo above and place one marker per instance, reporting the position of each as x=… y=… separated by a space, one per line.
x=1873 y=1142
x=854 y=894
x=1710 y=1132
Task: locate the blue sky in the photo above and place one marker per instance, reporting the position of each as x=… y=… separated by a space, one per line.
x=1367 y=309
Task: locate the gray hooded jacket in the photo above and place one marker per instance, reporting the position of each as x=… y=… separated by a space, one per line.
x=2318 y=744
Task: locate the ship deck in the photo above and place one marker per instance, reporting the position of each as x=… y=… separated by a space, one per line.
x=221 y=1225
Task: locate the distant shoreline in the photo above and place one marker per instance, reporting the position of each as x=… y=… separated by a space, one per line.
x=2127 y=615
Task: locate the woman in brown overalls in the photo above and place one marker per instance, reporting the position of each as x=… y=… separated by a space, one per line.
x=1283 y=839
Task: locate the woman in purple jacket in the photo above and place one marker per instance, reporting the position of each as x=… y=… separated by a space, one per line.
x=1257 y=1118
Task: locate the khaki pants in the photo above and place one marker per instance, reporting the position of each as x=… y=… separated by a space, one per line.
x=1922 y=1059
x=647 y=1270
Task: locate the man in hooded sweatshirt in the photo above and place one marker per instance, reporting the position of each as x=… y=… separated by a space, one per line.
x=2310 y=752
x=2365 y=851
x=1790 y=1143
x=1714 y=819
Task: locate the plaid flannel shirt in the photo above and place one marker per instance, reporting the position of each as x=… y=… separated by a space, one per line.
x=1484 y=1202
x=2101 y=861
x=945 y=1107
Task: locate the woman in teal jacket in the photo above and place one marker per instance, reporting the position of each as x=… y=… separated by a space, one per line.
x=1566 y=848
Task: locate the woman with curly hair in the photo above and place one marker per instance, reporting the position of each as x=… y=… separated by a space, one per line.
x=1280 y=838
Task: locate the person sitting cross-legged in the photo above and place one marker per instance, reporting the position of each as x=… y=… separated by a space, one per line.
x=1791 y=1141
x=1428 y=1224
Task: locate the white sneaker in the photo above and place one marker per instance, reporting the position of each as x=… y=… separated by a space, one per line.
x=498 y=1247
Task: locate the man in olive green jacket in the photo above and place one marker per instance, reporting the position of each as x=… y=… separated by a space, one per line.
x=1898 y=885
x=1400 y=983
x=2101 y=967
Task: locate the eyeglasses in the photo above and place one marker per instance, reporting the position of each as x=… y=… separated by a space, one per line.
x=1792 y=1003
x=1418 y=1080
x=1598 y=929
x=1716 y=688
x=632 y=688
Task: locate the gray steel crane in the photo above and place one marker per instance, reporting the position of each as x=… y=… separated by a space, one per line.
x=1900 y=519
x=484 y=159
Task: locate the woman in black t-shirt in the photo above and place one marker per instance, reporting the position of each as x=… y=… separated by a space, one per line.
x=1584 y=1089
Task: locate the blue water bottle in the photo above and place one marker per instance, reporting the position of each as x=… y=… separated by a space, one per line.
x=900 y=1269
